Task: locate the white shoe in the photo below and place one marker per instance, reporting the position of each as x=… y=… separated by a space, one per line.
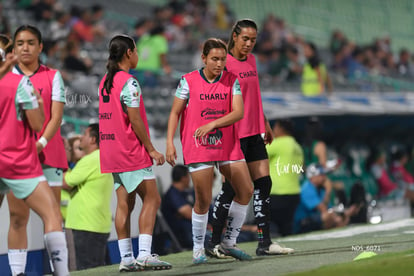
x=274 y=249
x=199 y=256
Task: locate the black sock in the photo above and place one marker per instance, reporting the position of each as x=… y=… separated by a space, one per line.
x=221 y=211
x=261 y=207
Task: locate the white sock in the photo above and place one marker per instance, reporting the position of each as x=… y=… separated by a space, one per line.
x=17 y=260
x=199 y=223
x=125 y=250
x=58 y=252
x=235 y=220
x=144 y=244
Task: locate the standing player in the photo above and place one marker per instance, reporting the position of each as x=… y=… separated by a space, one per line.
x=127 y=153
x=21 y=113
x=28 y=46
x=242 y=63
x=209 y=102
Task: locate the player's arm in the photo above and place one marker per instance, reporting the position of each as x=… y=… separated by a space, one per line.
x=230 y=118
x=31 y=103
x=56 y=114
x=130 y=97
x=180 y=100
x=8 y=64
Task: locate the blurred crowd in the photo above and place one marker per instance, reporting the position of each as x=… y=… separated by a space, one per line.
x=281 y=53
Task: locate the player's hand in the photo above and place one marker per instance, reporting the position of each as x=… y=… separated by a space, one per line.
x=268 y=138
x=8 y=64
x=39 y=147
x=203 y=130
x=158 y=157
x=171 y=155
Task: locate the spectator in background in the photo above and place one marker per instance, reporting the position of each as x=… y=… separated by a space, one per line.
x=141 y=27
x=177 y=205
x=405 y=66
x=313 y=213
x=4 y=22
x=152 y=49
x=73 y=154
x=286 y=163
x=404 y=179
x=315 y=77
x=74 y=61
x=377 y=163
x=89 y=214
x=59 y=28
x=43 y=10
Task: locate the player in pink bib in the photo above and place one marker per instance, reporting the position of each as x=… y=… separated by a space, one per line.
x=127 y=153
x=21 y=113
x=28 y=46
x=242 y=63
x=209 y=102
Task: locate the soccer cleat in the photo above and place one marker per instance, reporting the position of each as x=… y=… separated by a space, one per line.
x=152 y=262
x=129 y=267
x=273 y=249
x=235 y=252
x=214 y=252
x=199 y=256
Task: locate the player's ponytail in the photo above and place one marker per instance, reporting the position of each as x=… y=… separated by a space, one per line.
x=243 y=23
x=118 y=47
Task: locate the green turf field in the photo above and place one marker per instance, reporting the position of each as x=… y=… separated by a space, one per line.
x=329 y=252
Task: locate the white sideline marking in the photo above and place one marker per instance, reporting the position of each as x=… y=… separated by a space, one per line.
x=355 y=230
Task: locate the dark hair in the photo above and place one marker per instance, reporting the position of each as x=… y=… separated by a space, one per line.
x=178 y=172
x=286 y=124
x=7 y=43
x=243 y=23
x=213 y=43
x=118 y=46
x=313 y=131
x=94 y=132
x=314 y=60
x=31 y=29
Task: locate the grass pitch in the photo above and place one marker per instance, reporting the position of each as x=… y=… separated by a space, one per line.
x=320 y=253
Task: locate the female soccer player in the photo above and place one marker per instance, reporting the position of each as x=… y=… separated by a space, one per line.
x=21 y=113
x=209 y=102
x=28 y=46
x=127 y=152
x=242 y=63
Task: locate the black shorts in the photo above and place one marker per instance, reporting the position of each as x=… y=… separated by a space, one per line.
x=253 y=148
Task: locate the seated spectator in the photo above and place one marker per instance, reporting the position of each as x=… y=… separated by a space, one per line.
x=177 y=206
x=59 y=29
x=73 y=60
x=43 y=10
x=312 y=213
x=378 y=167
x=315 y=77
x=89 y=212
x=403 y=178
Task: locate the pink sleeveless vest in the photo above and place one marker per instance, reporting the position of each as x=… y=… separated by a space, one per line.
x=54 y=153
x=18 y=156
x=120 y=148
x=208 y=102
x=246 y=72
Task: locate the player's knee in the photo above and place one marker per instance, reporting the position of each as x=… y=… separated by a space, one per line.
x=18 y=220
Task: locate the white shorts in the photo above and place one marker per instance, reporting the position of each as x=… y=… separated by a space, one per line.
x=193 y=167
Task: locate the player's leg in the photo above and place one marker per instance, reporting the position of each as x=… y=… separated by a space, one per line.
x=43 y=202
x=17 y=236
x=237 y=173
x=202 y=176
x=151 y=202
x=124 y=207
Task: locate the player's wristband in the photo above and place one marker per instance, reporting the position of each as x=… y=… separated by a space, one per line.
x=42 y=140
